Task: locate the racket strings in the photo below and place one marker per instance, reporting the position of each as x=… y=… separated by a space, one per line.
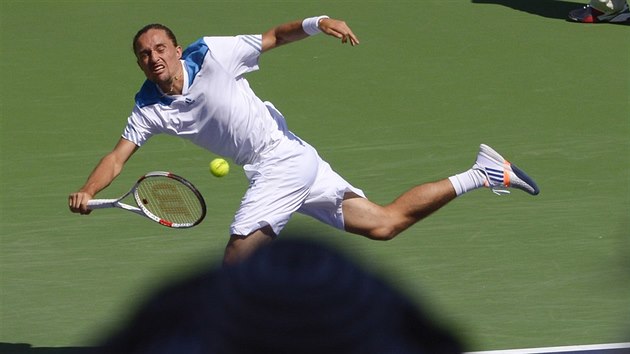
x=170 y=200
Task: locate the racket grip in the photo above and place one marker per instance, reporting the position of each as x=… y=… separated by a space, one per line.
x=101 y=203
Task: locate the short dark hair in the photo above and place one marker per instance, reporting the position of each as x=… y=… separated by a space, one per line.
x=158 y=26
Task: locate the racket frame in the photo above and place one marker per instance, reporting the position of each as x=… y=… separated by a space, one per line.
x=142 y=210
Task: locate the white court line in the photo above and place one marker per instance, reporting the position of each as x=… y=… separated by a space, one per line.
x=573 y=348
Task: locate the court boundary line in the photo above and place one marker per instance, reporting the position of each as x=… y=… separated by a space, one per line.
x=571 y=348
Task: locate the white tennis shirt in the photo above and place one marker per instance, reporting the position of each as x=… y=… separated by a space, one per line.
x=217 y=109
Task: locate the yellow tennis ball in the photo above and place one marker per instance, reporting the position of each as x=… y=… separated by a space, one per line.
x=219 y=167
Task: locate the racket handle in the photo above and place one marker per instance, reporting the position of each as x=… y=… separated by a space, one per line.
x=102 y=203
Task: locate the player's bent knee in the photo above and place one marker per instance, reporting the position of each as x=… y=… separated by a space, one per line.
x=383 y=230
x=383 y=233
x=240 y=247
x=233 y=254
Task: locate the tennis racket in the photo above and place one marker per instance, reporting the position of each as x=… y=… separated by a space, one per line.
x=163 y=197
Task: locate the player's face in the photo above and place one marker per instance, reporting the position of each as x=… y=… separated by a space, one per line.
x=157 y=56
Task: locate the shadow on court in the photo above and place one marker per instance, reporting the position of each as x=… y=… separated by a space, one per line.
x=545 y=8
x=23 y=348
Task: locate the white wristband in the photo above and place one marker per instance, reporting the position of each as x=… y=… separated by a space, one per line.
x=311 y=25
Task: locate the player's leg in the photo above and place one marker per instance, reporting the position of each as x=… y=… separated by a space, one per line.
x=336 y=202
x=490 y=170
x=374 y=221
x=240 y=247
x=278 y=187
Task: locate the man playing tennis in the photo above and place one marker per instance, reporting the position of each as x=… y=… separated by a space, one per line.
x=201 y=94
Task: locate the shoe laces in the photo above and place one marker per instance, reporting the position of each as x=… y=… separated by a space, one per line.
x=499 y=189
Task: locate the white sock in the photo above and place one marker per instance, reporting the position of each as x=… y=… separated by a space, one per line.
x=467 y=181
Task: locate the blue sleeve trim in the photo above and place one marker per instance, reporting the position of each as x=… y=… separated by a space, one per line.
x=193 y=58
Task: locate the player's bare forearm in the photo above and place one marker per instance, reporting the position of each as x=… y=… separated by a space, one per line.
x=293 y=31
x=102 y=175
x=283 y=34
x=108 y=168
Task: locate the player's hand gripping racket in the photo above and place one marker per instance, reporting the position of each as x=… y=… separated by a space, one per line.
x=163 y=197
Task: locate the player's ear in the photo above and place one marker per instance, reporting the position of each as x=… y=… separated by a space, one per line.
x=179 y=52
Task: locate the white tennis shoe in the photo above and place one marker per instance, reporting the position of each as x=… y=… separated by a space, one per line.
x=501 y=174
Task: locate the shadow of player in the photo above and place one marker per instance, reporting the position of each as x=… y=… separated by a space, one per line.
x=545 y=8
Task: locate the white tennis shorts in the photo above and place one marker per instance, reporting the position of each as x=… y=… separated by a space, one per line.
x=291 y=178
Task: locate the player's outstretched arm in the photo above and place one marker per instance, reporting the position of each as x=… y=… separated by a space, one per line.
x=103 y=174
x=300 y=29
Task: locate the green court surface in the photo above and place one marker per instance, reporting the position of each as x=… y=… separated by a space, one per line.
x=430 y=81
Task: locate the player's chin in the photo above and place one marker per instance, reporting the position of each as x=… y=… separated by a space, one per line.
x=158 y=79
x=155 y=76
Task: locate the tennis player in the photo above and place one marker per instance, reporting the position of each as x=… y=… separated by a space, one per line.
x=201 y=94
